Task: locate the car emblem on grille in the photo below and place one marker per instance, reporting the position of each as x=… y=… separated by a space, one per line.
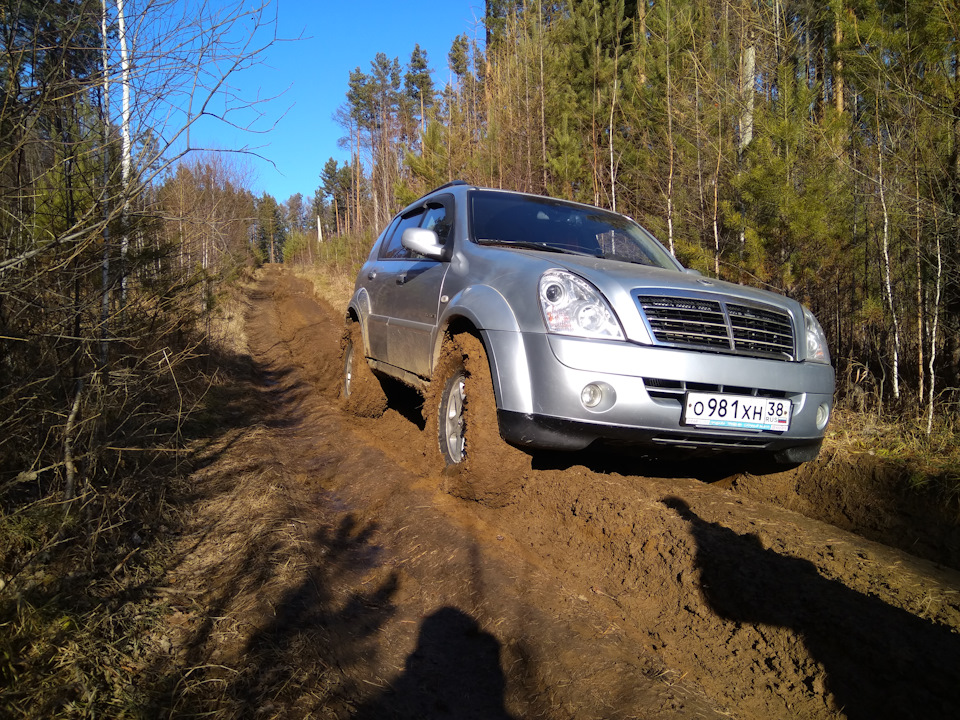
x=704 y=281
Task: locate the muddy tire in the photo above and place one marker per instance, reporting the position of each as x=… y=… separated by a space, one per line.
x=450 y=420
x=360 y=391
x=479 y=464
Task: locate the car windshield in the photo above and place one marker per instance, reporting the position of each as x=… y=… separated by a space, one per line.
x=553 y=225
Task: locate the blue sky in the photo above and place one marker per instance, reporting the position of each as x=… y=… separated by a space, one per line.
x=337 y=36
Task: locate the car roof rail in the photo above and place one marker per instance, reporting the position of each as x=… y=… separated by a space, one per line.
x=452 y=183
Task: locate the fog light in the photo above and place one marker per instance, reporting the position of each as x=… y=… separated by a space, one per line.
x=823 y=416
x=591 y=395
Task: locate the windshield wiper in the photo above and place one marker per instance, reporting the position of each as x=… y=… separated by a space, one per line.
x=530 y=245
x=635 y=261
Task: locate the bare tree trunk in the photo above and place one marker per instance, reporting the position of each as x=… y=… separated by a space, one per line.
x=528 y=150
x=747 y=91
x=543 y=121
x=838 y=88
x=126 y=159
x=935 y=311
x=105 y=195
x=669 y=92
x=716 y=199
x=613 y=106
x=375 y=186
x=698 y=125
x=68 y=437
x=641 y=35
x=921 y=315
x=359 y=178
x=776 y=29
x=613 y=167
x=888 y=283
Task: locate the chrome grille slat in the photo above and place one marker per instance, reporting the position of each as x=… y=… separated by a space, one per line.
x=677 y=389
x=719 y=326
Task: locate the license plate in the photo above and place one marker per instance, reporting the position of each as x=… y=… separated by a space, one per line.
x=737 y=412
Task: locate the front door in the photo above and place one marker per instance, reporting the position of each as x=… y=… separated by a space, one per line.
x=406 y=295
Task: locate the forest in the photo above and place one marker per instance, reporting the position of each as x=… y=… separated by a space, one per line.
x=812 y=148
x=117 y=234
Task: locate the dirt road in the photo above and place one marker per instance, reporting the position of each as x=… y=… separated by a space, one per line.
x=331 y=573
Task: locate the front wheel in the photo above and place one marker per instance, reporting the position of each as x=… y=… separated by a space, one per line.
x=480 y=465
x=450 y=425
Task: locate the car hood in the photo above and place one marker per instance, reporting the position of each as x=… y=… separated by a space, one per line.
x=610 y=274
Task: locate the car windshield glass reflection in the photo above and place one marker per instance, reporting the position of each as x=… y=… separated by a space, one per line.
x=543 y=224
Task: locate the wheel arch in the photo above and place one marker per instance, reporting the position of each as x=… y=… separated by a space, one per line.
x=355 y=314
x=485 y=314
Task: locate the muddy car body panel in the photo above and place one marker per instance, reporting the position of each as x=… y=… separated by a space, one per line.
x=592 y=329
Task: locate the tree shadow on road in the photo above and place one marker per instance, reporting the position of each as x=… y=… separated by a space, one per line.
x=315 y=634
x=861 y=642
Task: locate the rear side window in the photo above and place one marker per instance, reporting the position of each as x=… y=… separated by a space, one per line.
x=380 y=244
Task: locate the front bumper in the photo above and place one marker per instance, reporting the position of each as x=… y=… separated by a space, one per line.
x=540 y=378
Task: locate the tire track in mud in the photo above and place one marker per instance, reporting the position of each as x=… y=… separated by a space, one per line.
x=602 y=589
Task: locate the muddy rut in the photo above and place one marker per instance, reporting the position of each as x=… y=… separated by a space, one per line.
x=342 y=574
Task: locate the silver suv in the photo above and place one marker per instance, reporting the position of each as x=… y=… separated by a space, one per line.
x=591 y=329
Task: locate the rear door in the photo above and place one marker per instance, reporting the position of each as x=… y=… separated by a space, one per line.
x=376 y=274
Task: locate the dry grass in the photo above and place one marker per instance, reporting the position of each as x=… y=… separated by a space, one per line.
x=84 y=618
x=931 y=461
x=335 y=289
x=333 y=270
x=228 y=331
x=80 y=628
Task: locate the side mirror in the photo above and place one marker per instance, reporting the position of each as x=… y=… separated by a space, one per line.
x=423 y=242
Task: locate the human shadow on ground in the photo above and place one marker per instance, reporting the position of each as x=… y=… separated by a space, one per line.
x=880 y=661
x=454 y=672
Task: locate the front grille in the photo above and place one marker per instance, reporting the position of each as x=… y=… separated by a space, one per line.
x=719 y=326
x=674 y=391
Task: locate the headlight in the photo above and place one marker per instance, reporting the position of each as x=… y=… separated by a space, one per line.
x=816 y=339
x=572 y=306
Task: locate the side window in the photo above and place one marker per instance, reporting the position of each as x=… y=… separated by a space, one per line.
x=384 y=236
x=392 y=249
x=436 y=219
